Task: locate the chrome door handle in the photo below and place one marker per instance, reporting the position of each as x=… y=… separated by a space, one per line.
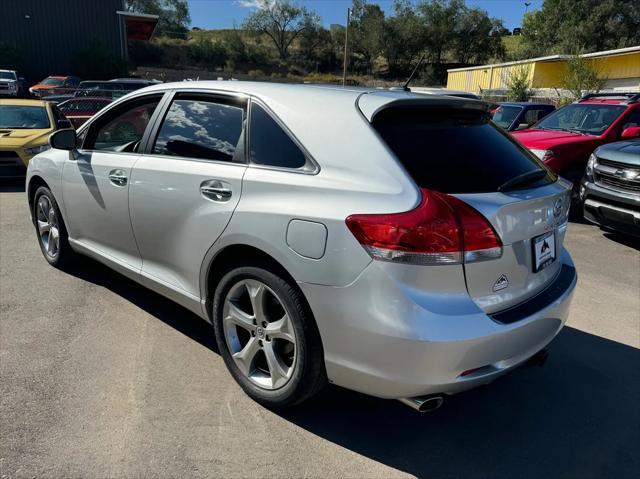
x=216 y=191
x=118 y=177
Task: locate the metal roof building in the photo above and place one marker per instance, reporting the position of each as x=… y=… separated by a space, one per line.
x=620 y=67
x=47 y=34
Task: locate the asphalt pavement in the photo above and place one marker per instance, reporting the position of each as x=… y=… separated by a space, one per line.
x=102 y=378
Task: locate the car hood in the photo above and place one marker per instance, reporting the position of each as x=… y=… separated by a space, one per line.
x=622 y=151
x=545 y=139
x=19 y=138
x=39 y=86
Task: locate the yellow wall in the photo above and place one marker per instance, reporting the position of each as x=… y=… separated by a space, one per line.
x=542 y=74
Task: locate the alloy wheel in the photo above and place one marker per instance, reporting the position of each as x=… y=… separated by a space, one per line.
x=48 y=227
x=259 y=334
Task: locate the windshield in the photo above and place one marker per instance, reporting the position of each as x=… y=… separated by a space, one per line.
x=53 y=81
x=23 y=117
x=7 y=75
x=505 y=115
x=457 y=151
x=591 y=119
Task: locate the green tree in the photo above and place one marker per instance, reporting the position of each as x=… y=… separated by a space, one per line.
x=367 y=26
x=595 y=25
x=174 y=18
x=439 y=18
x=477 y=37
x=282 y=21
x=403 y=38
x=581 y=77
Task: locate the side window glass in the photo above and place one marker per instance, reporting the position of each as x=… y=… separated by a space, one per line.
x=121 y=130
x=532 y=116
x=203 y=129
x=632 y=120
x=269 y=144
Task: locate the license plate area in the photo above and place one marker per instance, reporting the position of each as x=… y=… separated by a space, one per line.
x=544 y=250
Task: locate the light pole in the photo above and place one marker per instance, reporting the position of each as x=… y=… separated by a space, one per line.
x=526 y=7
x=346 y=43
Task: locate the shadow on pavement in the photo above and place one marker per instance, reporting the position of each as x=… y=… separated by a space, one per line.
x=12 y=185
x=624 y=240
x=578 y=416
x=174 y=315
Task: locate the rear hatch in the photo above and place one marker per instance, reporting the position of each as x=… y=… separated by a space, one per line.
x=456 y=150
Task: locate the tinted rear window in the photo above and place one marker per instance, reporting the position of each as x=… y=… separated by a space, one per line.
x=454 y=151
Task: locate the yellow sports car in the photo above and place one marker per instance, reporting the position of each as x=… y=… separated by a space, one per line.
x=25 y=126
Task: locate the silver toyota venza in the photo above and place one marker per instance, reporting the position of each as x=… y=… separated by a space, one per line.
x=389 y=242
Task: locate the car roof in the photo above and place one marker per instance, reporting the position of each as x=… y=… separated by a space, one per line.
x=523 y=103
x=310 y=97
x=21 y=102
x=604 y=101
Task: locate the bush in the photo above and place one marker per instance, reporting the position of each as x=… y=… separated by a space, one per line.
x=96 y=62
x=256 y=74
x=519 y=84
x=145 y=53
x=207 y=53
x=581 y=78
x=11 y=57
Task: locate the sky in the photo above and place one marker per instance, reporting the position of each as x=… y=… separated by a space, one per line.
x=213 y=14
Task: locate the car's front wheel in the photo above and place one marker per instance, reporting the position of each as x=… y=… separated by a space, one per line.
x=267 y=337
x=50 y=227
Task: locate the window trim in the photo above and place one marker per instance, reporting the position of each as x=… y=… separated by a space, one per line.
x=84 y=129
x=226 y=98
x=311 y=166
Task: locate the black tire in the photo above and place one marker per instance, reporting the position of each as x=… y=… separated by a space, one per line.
x=64 y=254
x=576 y=213
x=308 y=375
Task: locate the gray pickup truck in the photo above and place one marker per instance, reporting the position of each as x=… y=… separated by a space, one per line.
x=611 y=187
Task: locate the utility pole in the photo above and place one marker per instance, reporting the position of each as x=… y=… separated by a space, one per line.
x=526 y=7
x=346 y=46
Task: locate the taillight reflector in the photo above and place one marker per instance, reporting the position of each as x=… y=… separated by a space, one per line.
x=441 y=230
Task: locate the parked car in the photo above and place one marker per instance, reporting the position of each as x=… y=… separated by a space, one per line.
x=564 y=139
x=54 y=85
x=514 y=116
x=25 y=126
x=611 y=187
x=337 y=243
x=11 y=84
x=78 y=110
x=96 y=88
x=112 y=89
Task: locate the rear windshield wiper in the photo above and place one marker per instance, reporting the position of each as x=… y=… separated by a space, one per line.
x=522 y=180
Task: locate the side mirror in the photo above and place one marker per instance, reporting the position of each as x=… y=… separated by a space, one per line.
x=63 y=124
x=522 y=126
x=631 y=132
x=63 y=140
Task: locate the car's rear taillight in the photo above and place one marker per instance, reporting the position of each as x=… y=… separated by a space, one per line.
x=441 y=230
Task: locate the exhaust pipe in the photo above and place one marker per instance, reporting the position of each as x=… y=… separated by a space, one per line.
x=423 y=403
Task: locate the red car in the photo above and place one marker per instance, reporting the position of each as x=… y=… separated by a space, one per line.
x=565 y=139
x=80 y=109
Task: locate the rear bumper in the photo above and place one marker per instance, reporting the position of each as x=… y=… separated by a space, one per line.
x=382 y=340
x=611 y=209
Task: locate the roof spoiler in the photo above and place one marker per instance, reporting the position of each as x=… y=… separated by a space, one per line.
x=631 y=97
